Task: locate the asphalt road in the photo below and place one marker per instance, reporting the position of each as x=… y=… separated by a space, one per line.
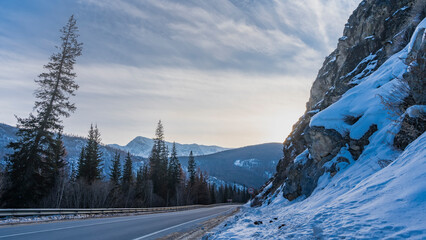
x=149 y=226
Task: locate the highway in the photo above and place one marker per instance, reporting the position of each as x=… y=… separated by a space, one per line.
x=150 y=226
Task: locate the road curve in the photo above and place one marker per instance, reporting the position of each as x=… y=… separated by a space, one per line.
x=140 y=227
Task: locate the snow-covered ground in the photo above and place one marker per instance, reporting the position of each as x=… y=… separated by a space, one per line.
x=389 y=203
x=382 y=195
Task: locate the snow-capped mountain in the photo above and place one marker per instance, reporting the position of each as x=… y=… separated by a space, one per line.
x=141 y=146
x=354 y=164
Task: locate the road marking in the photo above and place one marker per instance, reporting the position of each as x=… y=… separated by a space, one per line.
x=63 y=228
x=175 y=226
x=88 y=225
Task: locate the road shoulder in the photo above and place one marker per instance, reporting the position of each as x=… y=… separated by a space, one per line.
x=201 y=229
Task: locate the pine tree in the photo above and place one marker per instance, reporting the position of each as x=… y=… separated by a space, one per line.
x=191 y=169
x=127 y=172
x=158 y=162
x=55 y=167
x=90 y=165
x=115 y=170
x=81 y=164
x=30 y=153
x=174 y=171
x=139 y=185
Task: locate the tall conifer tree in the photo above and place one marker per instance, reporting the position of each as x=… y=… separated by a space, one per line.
x=174 y=170
x=191 y=168
x=115 y=171
x=30 y=158
x=127 y=172
x=158 y=162
x=90 y=165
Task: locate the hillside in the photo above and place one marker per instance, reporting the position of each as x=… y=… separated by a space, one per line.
x=250 y=166
x=353 y=166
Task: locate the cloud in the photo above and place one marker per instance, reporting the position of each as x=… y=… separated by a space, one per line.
x=220 y=72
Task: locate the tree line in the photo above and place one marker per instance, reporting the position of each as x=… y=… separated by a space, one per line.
x=37 y=174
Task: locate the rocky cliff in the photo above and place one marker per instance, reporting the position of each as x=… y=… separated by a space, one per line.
x=375 y=31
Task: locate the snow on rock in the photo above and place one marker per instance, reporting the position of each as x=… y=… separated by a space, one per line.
x=363 y=201
x=416 y=111
x=364 y=99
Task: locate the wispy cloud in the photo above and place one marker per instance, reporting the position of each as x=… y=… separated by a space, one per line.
x=217 y=72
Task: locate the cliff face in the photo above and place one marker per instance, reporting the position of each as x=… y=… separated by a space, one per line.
x=376 y=30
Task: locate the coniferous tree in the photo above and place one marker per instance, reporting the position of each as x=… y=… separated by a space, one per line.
x=127 y=172
x=158 y=162
x=81 y=164
x=30 y=156
x=55 y=167
x=191 y=168
x=139 y=183
x=174 y=171
x=115 y=171
x=90 y=165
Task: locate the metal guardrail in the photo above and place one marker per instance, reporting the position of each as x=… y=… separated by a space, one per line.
x=21 y=212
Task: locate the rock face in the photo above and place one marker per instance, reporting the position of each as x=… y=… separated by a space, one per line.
x=376 y=30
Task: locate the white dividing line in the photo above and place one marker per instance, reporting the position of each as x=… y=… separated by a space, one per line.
x=63 y=228
x=175 y=226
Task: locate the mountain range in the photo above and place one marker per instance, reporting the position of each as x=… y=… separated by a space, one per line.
x=141 y=146
x=246 y=166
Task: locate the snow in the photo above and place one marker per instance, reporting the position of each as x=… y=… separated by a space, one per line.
x=416 y=111
x=218 y=182
x=382 y=195
x=302 y=158
x=400 y=10
x=369 y=58
x=363 y=201
x=246 y=163
x=364 y=99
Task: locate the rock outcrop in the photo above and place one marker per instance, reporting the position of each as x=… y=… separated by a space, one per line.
x=376 y=30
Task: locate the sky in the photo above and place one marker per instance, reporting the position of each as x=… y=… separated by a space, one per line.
x=225 y=72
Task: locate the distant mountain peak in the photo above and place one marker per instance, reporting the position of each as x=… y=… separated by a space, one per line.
x=141 y=146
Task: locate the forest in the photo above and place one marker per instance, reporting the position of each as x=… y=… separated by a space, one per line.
x=37 y=174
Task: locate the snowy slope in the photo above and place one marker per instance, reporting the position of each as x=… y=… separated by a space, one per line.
x=141 y=146
x=380 y=195
x=363 y=202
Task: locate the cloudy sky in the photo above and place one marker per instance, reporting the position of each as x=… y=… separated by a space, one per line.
x=224 y=72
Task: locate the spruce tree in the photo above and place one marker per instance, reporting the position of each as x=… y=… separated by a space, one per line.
x=158 y=161
x=55 y=167
x=81 y=164
x=90 y=165
x=174 y=170
x=30 y=155
x=191 y=168
x=127 y=172
x=115 y=170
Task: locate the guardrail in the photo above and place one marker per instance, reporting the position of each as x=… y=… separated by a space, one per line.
x=21 y=212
